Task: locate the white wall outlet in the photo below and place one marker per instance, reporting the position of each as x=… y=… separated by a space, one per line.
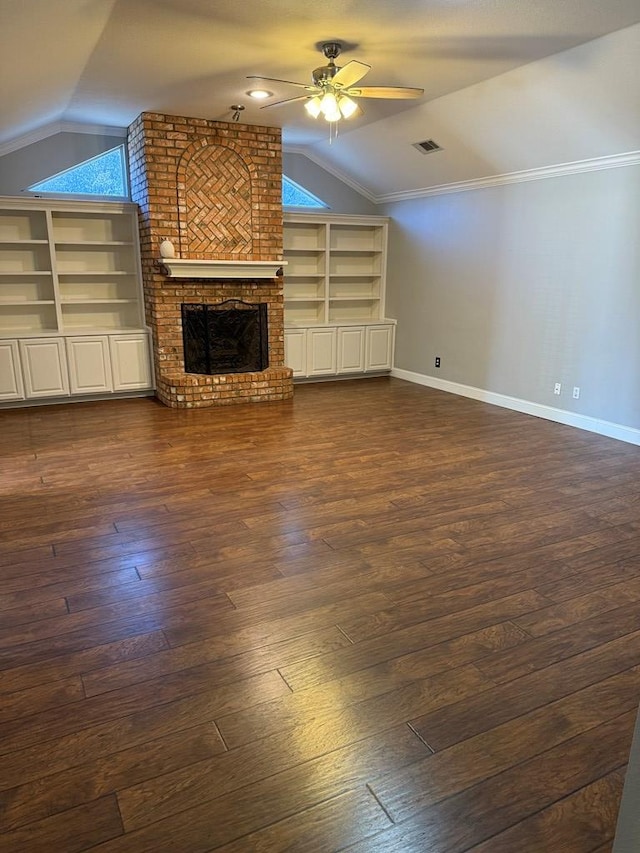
x=557 y=388
x=576 y=392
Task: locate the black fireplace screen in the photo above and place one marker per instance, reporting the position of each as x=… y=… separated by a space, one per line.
x=226 y=338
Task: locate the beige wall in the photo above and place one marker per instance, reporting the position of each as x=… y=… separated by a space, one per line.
x=520 y=286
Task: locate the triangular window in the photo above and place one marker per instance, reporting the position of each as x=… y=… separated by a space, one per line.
x=293 y=195
x=104 y=175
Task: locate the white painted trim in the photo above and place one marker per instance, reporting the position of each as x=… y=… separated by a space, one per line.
x=94 y=129
x=118 y=205
x=549 y=413
x=631 y=158
x=55 y=127
x=322 y=216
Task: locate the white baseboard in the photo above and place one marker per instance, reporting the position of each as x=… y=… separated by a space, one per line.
x=611 y=430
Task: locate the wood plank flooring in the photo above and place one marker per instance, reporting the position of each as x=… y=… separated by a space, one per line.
x=375 y=618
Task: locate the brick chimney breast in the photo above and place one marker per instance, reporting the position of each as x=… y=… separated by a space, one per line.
x=215 y=190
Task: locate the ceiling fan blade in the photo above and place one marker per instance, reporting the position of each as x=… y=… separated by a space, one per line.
x=285 y=101
x=289 y=82
x=350 y=73
x=394 y=92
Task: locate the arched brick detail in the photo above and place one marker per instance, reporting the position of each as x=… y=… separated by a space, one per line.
x=215 y=202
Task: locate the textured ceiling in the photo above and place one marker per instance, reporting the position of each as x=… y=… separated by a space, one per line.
x=105 y=61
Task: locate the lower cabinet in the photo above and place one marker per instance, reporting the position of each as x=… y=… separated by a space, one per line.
x=130 y=363
x=351 y=349
x=89 y=365
x=295 y=344
x=339 y=350
x=321 y=352
x=379 y=348
x=11 y=385
x=44 y=367
x=34 y=368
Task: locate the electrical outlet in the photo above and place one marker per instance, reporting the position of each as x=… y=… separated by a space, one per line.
x=557 y=388
x=576 y=392
x=437 y=361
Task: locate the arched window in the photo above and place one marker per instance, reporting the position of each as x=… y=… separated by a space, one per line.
x=104 y=175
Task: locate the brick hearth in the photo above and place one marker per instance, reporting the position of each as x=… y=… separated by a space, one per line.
x=214 y=190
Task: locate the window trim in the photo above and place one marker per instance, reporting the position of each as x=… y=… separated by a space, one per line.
x=84 y=196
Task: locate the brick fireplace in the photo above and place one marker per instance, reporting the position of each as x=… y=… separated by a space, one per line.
x=214 y=190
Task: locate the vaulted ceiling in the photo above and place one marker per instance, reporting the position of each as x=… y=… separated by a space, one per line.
x=105 y=61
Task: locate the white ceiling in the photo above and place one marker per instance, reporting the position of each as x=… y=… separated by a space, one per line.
x=105 y=61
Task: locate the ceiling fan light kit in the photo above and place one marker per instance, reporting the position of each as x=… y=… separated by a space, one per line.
x=332 y=91
x=347 y=106
x=314 y=107
x=329 y=106
x=333 y=107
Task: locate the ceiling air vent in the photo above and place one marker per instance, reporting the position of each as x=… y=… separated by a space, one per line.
x=427 y=146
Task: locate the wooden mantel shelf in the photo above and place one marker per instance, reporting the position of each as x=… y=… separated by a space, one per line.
x=184 y=268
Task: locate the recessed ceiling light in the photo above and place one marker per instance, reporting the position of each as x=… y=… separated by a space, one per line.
x=259 y=94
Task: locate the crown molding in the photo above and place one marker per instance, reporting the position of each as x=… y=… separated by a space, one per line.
x=328 y=167
x=596 y=164
x=55 y=127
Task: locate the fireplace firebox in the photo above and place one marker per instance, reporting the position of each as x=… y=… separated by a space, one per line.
x=230 y=337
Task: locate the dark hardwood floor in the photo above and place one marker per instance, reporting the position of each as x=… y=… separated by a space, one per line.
x=377 y=618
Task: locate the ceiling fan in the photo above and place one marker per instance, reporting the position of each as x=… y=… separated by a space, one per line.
x=333 y=89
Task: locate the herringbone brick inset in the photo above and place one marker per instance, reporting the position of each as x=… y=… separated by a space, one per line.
x=217 y=201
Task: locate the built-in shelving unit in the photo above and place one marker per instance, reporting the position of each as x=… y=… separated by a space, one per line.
x=335 y=279
x=27 y=289
x=67 y=269
x=336 y=268
x=305 y=286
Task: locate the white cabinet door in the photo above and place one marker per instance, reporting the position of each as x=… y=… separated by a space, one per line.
x=89 y=364
x=295 y=350
x=379 y=348
x=351 y=349
x=44 y=367
x=321 y=352
x=11 y=387
x=130 y=364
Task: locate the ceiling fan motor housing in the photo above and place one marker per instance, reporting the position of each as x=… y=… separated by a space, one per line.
x=326 y=73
